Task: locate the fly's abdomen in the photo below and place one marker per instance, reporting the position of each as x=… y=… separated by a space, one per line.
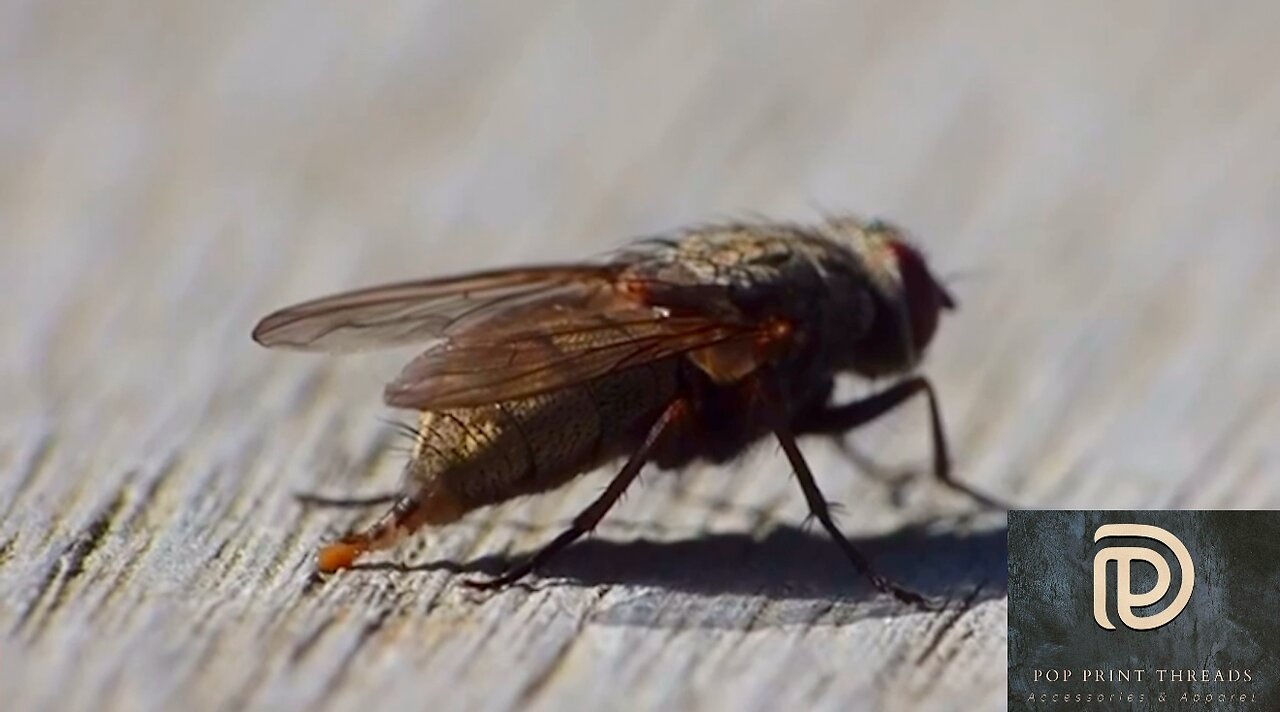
x=478 y=456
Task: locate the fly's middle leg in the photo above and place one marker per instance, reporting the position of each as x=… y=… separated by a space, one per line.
x=768 y=389
x=821 y=510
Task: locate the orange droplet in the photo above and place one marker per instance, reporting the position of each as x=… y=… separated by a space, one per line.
x=337 y=556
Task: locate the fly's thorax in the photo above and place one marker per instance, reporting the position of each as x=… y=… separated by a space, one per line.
x=489 y=454
x=740 y=258
x=771 y=273
x=857 y=295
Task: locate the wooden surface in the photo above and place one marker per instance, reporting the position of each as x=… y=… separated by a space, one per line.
x=1100 y=182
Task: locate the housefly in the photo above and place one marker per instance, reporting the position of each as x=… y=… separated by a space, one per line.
x=686 y=347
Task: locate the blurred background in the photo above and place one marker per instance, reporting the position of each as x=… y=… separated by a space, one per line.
x=1097 y=182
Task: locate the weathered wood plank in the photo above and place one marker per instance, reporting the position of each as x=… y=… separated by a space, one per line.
x=1102 y=182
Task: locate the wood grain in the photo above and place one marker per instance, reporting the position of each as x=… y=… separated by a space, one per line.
x=1100 y=181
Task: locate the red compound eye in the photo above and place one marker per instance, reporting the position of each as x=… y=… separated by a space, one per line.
x=924 y=296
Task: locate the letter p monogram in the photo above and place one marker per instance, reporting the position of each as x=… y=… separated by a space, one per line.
x=1124 y=556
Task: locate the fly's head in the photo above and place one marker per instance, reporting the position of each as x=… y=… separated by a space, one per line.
x=909 y=298
x=923 y=294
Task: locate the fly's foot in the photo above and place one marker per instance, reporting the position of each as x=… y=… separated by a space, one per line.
x=905 y=595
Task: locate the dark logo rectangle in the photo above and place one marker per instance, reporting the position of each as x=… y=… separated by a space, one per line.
x=1113 y=610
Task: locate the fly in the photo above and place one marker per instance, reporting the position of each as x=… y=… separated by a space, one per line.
x=689 y=347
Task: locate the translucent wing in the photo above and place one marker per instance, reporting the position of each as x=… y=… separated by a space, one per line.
x=516 y=333
x=550 y=346
x=413 y=312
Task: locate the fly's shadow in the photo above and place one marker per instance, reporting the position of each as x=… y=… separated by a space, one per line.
x=791 y=576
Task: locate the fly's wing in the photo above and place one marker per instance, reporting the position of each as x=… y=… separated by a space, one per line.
x=553 y=347
x=414 y=312
x=515 y=333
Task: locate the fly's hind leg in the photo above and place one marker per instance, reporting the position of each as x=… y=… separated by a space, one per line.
x=837 y=420
x=591 y=516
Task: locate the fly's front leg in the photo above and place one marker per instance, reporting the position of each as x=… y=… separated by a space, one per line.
x=837 y=420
